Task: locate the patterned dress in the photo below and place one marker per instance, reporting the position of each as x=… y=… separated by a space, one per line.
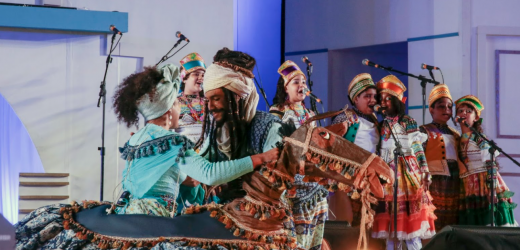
x=191 y=117
x=415 y=217
x=446 y=184
x=309 y=204
x=475 y=206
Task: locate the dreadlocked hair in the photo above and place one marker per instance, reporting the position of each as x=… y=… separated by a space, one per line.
x=236 y=58
x=237 y=126
x=281 y=96
x=129 y=92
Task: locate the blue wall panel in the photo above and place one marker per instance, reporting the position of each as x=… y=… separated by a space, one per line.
x=61 y=19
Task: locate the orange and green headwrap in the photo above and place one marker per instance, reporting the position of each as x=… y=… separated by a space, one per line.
x=393 y=86
x=439 y=91
x=359 y=84
x=472 y=101
x=289 y=70
x=190 y=63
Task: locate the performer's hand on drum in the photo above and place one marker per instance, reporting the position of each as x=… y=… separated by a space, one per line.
x=266 y=157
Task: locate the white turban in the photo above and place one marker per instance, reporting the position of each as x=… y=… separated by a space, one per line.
x=165 y=94
x=221 y=77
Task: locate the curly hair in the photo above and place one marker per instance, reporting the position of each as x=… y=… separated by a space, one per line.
x=128 y=93
x=236 y=109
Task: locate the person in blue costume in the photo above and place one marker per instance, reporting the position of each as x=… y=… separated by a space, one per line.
x=233 y=128
x=158 y=161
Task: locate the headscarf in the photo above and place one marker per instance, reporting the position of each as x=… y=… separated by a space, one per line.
x=359 y=84
x=393 y=86
x=165 y=94
x=472 y=101
x=289 y=70
x=439 y=91
x=190 y=63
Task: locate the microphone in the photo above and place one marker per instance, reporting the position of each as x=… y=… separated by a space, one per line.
x=306 y=61
x=426 y=66
x=369 y=63
x=115 y=30
x=313 y=96
x=181 y=37
x=460 y=120
x=379 y=109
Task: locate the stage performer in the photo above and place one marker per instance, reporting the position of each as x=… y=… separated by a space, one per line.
x=441 y=150
x=190 y=121
x=309 y=203
x=475 y=173
x=415 y=214
x=192 y=97
x=232 y=127
x=158 y=160
x=362 y=130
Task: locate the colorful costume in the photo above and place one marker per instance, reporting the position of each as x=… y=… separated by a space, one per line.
x=192 y=106
x=309 y=203
x=361 y=130
x=415 y=217
x=441 y=154
x=475 y=174
x=158 y=160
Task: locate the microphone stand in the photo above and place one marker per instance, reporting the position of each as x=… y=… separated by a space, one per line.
x=313 y=102
x=423 y=80
x=492 y=149
x=260 y=87
x=263 y=94
x=398 y=152
x=102 y=99
x=166 y=57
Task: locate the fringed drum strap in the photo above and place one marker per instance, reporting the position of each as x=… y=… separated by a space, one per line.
x=305 y=149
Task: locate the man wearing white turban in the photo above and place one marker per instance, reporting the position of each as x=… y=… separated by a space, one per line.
x=233 y=128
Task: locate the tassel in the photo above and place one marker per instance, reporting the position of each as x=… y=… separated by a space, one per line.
x=355 y=195
x=272 y=179
x=237 y=232
x=252 y=211
x=242 y=206
x=229 y=224
x=213 y=214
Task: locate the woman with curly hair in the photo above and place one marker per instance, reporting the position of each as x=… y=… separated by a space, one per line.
x=476 y=172
x=157 y=161
x=309 y=203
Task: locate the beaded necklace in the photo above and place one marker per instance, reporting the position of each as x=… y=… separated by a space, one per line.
x=187 y=99
x=301 y=118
